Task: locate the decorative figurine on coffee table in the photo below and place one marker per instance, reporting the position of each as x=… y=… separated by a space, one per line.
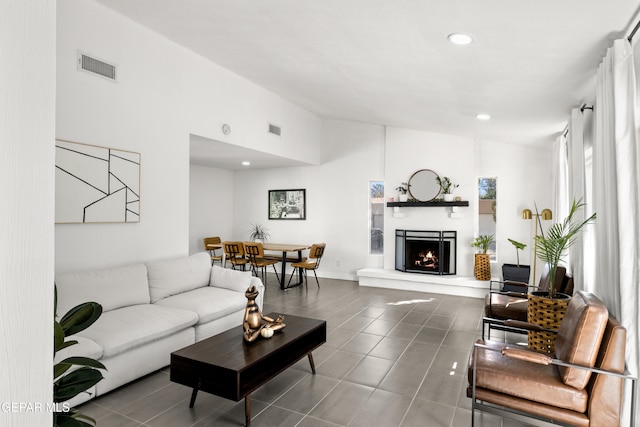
x=253 y=319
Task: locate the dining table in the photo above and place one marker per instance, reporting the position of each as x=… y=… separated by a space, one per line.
x=286 y=248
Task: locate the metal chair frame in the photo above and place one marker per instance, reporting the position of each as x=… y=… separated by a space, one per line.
x=234 y=253
x=316 y=252
x=255 y=253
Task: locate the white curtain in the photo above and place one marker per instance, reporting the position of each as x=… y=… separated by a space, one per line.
x=616 y=199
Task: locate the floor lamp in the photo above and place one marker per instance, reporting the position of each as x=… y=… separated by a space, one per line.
x=545 y=215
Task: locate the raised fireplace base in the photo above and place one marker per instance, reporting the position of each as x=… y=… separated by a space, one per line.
x=449 y=285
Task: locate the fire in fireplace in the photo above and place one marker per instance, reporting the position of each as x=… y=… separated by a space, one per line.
x=428 y=252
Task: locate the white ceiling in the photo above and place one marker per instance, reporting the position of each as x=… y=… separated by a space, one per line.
x=389 y=62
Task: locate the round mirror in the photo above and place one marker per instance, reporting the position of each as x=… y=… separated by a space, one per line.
x=423 y=185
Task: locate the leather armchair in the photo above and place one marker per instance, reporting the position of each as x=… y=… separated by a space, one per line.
x=581 y=386
x=502 y=302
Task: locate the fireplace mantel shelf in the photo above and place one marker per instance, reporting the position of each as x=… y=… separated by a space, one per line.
x=426 y=204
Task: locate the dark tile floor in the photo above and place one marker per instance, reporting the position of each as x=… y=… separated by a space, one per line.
x=392 y=358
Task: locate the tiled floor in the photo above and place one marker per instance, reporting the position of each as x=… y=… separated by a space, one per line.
x=392 y=358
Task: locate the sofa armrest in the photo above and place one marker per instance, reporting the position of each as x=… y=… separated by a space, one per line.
x=526 y=355
x=626 y=374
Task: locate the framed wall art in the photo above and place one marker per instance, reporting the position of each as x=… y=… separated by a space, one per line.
x=287 y=204
x=96 y=184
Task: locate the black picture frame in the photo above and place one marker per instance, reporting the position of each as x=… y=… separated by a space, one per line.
x=288 y=204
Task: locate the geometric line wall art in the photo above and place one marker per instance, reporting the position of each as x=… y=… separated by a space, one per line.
x=96 y=184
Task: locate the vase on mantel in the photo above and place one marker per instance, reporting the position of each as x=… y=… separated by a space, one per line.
x=403 y=197
x=448 y=197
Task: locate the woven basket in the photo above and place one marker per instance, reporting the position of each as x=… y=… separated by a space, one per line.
x=548 y=313
x=482 y=267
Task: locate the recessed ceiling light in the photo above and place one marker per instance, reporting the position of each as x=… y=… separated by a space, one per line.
x=246 y=163
x=483 y=116
x=459 y=38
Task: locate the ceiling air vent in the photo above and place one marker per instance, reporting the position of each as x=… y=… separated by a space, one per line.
x=96 y=66
x=274 y=129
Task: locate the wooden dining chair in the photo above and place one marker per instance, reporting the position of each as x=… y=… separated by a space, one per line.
x=234 y=253
x=315 y=255
x=257 y=260
x=212 y=251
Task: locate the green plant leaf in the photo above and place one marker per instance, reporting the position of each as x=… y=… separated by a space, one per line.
x=63 y=366
x=68 y=419
x=84 y=361
x=60 y=368
x=58 y=337
x=518 y=245
x=74 y=383
x=80 y=317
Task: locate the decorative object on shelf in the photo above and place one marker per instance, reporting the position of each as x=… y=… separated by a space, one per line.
x=68 y=385
x=254 y=321
x=547 y=308
x=96 y=184
x=434 y=203
x=423 y=185
x=546 y=215
x=482 y=262
x=447 y=188
x=258 y=233
x=402 y=192
x=288 y=204
x=515 y=272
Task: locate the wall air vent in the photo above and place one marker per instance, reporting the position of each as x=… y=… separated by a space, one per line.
x=96 y=66
x=276 y=130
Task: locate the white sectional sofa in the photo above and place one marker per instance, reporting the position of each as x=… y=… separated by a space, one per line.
x=151 y=310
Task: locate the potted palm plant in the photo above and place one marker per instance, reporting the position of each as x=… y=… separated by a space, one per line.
x=547 y=308
x=516 y=272
x=482 y=263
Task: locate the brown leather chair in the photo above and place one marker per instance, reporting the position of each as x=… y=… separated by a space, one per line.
x=501 y=304
x=257 y=260
x=212 y=244
x=582 y=386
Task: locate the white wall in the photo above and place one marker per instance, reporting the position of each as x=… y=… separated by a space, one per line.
x=410 y=150
x=337 y=198
x=164 y=92
x=27 y=131
x=523 y=176
x=337 y=191
x=210 y=205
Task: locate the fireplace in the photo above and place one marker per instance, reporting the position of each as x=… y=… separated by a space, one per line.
x=427 y=252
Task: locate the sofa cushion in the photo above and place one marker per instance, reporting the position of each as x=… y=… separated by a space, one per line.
x=112 y=288
x=125 y=328
x=579 y=337
x=209 y=303
x=230 y=279
x=174 y=276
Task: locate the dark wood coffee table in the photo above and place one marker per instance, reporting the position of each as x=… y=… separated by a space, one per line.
x=229 y=367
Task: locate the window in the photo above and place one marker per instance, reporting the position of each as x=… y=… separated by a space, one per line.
x=376 y=217
x=487 y=198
